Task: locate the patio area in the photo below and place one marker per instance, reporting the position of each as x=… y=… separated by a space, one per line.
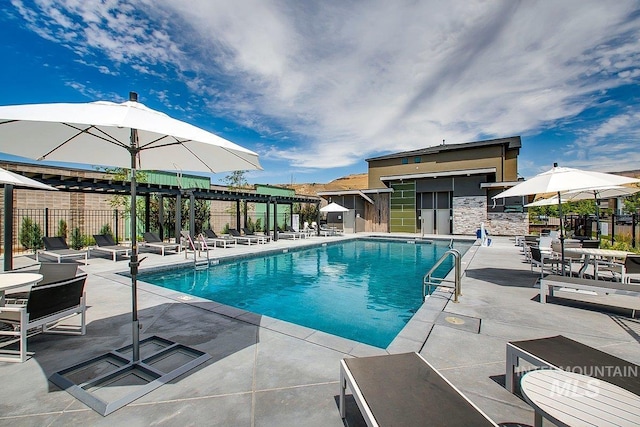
x=266 y=372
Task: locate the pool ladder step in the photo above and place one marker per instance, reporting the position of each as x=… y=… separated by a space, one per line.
x=201 y=265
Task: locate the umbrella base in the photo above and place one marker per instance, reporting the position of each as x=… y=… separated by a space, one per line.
x=110 y=381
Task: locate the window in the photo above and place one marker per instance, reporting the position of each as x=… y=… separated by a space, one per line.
x=417 y=159
x=405 y=161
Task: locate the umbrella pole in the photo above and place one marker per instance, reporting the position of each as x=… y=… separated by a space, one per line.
x=561 y=231
x=133 y=263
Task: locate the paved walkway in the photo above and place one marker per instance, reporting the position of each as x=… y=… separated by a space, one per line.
x=265 y=372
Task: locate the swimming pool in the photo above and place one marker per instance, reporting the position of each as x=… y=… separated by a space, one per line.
x=362 y=289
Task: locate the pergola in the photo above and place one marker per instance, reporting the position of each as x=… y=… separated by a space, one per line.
x=108 y=186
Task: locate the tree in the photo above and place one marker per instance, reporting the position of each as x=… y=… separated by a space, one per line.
x=236 y=179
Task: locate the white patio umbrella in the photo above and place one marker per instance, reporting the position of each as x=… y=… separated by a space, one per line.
x=17 y=180
x=560 y=179
x=334 y=207
x=14 y=180
x=128 y=135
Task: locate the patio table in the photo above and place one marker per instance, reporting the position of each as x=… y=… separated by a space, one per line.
x=16 y=280
x=572 y=399
x=592 y=254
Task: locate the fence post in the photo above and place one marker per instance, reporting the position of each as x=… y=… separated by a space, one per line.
x=634 y=222
x=46 y=222
x=613 y=228
x=116 y=225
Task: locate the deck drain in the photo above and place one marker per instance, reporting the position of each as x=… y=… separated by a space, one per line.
x=459 y=321
x=454 y=320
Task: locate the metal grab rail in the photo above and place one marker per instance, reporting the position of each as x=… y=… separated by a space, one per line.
x=428 y=279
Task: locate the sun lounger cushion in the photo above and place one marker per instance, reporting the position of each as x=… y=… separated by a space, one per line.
x=405 y=390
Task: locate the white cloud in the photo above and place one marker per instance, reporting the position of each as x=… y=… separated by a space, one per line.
x=348 y=80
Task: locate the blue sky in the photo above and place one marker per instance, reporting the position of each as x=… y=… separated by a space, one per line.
x=317 y=87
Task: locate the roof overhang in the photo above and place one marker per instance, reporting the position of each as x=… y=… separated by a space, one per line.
x=505 y=184
x=361 y=193
x=463 y=172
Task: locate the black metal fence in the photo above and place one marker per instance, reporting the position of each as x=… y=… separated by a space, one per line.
x=77 y=226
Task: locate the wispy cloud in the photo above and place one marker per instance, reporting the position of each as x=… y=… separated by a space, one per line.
x=330 y=83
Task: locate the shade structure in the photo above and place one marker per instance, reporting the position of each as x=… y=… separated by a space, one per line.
x=128 y=135
x=560 y=179
x=334 y=207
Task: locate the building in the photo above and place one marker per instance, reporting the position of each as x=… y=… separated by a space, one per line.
x=445 y=189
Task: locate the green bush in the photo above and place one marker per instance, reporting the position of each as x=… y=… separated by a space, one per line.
x=250 y=225
x=77 y=240
x=225 y=230
x=30 y=234
x=106 y=229
x=258 y=225
x=62 y=229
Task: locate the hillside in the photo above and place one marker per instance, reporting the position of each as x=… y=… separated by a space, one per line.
x=349 y=182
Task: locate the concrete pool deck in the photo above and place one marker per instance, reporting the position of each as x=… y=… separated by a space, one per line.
x=265 y=372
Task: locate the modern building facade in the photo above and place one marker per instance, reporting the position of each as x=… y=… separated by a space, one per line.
x=444 y=189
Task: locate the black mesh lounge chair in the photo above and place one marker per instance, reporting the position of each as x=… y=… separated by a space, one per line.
x=289 y=234
x=153 y=241
x=57 y=247
x=246 y=239
x=46 y=307
x=248 y=232
x=52 y=272
x=214 y=240
x=405 y=390
x=563 y=353
x=106 y=244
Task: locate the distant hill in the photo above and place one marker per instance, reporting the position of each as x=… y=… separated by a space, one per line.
x=349 y=182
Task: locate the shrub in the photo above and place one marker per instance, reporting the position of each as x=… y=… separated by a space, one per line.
x=225 y=230
x=250 y=225
x=106 y=229
x=77 y=240
x=30 y=234
x=62 y=229
x=258 y=225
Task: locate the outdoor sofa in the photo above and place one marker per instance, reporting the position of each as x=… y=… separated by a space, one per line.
x=405 y=390
x=47 y=306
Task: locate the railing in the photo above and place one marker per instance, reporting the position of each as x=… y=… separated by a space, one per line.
x=429 y=281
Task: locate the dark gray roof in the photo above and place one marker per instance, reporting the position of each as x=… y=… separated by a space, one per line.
x=511 y=142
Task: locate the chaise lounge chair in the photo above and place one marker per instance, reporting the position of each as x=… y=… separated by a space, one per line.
x=248 y=232
x=214 y=240
x=563 y=353
x=247 y=239
x=290 y=234
x=405 y=390
x=106 y=243
x=57 y=247
x=154 y=241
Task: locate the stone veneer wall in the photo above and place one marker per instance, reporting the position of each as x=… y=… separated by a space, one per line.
x=508 y=224
x=470 y=211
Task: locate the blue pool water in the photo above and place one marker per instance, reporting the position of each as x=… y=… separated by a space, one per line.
x=364 y=290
